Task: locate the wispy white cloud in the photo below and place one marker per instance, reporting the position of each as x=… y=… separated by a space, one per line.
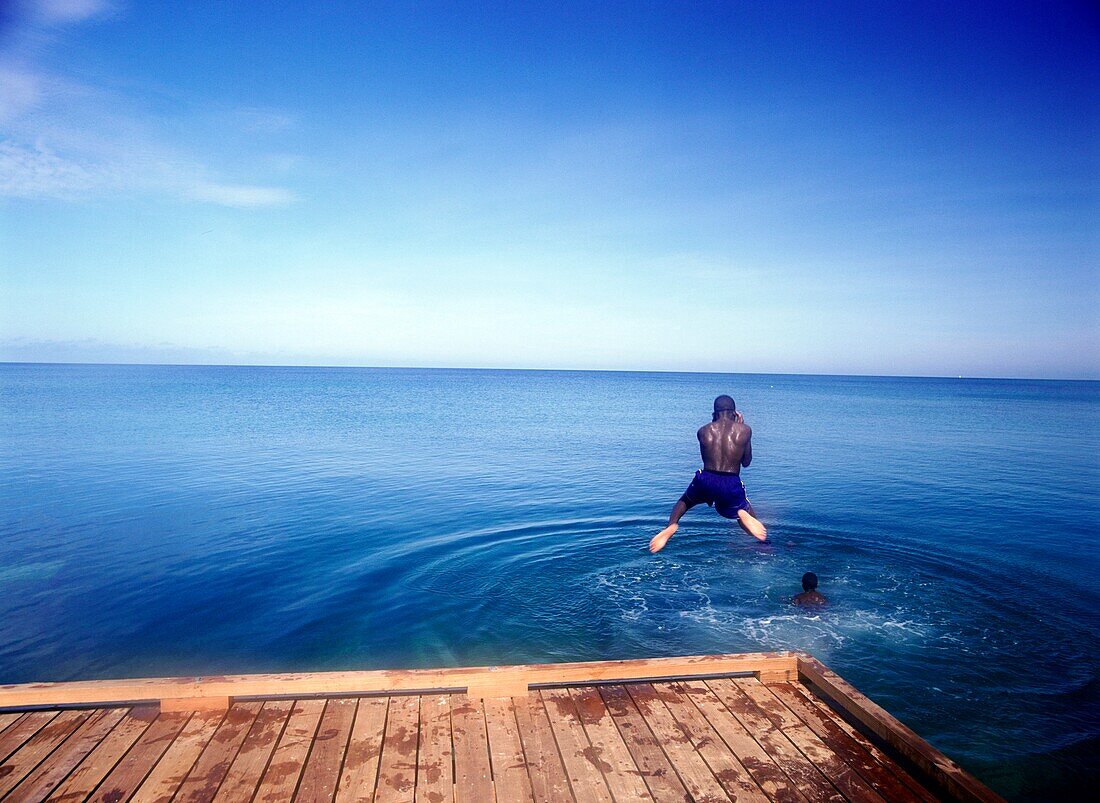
x=65 y=11
x=67 y=140
x=36 y=172
x=238 y=195
x=19 y=91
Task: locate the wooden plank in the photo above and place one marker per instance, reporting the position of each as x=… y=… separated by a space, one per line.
x=285 y=769
x=693 y=771
x=397 y=768
x=161 y=783
x=506 y=751
x=39 y=783
x=877 y=774
x=498 y=682
x=8 y=718
x=660 y=776
x=22 y=762
x=193 y=704
x=956 y=781
x=730 y=772
x=131 y=770
x=858 y=736
x=585 y=776
x=781 y=716
x=767 y=774
x=352 y=683
x=434 y=772
x=360 y=775
x=842 y=776
x=101 y=760
x=18 y=734
x=202 y=782
x=248 y=767
x=609 y=751
x=473 y=776
x=549 y=780
x=802 y=772
x=321 y=773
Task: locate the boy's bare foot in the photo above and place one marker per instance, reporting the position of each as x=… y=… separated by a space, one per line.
x=661 y=538
x=751 y=525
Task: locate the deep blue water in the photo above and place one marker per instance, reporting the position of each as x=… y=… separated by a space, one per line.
x=196 y=520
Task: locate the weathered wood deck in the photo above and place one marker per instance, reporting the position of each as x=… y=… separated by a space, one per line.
x=710 y=728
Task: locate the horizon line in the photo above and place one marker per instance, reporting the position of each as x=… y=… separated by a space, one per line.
x=547 y=370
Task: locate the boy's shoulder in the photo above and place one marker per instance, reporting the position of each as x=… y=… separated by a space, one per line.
x=809 y=598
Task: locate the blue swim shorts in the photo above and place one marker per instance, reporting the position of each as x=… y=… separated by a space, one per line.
x=722 y=489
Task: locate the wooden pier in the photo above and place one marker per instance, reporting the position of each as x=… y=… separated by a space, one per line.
x=751 y=727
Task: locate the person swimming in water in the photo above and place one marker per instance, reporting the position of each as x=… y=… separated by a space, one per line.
x=810 y=596
x=726 y=446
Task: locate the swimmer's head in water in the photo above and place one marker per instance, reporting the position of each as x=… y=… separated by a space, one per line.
x=809 y=581
x=724 y=404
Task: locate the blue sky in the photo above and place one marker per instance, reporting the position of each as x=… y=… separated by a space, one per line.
x=887 y=188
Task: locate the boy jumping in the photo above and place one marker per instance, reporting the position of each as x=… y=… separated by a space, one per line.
x=725 y=445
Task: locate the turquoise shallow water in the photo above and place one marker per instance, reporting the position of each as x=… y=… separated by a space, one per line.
x=194 y=520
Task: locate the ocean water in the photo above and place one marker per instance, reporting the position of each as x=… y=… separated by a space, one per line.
x=197 y=520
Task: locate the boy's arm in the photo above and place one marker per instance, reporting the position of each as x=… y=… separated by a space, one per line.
x=746 y=456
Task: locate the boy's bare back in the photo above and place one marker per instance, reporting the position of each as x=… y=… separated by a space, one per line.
x=726 y=444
